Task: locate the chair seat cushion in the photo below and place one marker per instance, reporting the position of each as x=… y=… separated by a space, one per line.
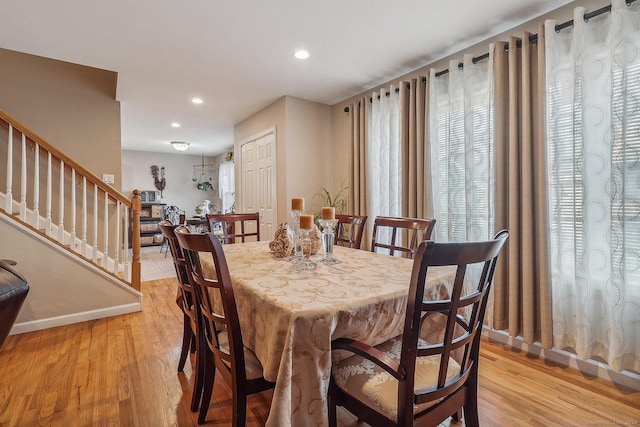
x=376 y=388
x=252 y=365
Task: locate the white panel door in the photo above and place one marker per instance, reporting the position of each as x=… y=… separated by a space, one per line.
x=258 y=180
x=249 y=178
x=267 y=200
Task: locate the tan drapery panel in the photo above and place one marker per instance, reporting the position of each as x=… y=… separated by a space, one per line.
x=358 y=162
x=415 y=166
x=522 y=293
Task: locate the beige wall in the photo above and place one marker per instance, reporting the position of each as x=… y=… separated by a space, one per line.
x=180 y=189
x=61 y=290
x=303 y=143
x=71 y=106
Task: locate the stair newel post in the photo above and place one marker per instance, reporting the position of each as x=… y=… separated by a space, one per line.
x=136 y=207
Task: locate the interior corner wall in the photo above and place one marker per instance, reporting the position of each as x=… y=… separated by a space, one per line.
x=303 y=144
x=309 y=151
x=71 y=106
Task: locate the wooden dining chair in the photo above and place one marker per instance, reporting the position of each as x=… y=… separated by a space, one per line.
x=411 y=230
x=186 y=300
x=406 y=381
x=230 y=222
x=349 y=230
x=226 y=352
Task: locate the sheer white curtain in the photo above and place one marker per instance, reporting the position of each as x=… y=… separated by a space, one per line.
x=384 y=158
x=462 y=151
x=593 y=142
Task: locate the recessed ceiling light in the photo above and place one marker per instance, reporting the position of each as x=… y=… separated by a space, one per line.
x=301 y=54
x=175 y=125
x=197 y=100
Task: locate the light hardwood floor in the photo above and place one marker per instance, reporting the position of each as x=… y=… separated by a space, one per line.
x=121 y=371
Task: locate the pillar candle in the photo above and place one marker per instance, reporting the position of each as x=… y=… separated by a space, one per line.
x=297 y=204
x=306 y=222
x=328 y=213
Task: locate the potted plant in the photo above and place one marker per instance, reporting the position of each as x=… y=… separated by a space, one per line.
x=339 y=200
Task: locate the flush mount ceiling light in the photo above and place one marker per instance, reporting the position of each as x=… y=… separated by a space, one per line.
x=180 y=145
x=175 y=125
x=301 y=54
x=197 y=100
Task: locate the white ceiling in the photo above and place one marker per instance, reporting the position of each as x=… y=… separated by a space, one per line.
x=237 y=55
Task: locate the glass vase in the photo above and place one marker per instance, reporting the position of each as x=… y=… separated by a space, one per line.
x=305 y=263
x=328 y=226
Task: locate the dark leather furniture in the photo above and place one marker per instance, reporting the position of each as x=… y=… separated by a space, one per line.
x=13 y=292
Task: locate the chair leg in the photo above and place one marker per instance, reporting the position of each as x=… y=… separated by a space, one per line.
x=187 y=342
x=471 y=418
x=199 y=372
x=239 y=409
x=333 y=416
x=207 y=392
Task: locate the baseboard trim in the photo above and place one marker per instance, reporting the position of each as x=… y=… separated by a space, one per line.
x=564 y=358
x=52 y=322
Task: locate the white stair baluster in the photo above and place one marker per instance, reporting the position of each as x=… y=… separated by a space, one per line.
x=8 y=205
x=84 y=216
x=61 y=205
x=94 y=257
x=23 y=180
x=36 y=188
x=47 y=230
x=73 y=210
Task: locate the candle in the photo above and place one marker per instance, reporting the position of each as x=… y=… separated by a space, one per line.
x=328 y=213
x=297 y=204
x=306 y=222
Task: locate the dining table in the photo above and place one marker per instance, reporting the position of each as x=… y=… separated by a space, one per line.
x=289 y=317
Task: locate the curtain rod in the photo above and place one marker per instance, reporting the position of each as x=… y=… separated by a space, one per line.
x=533 y=38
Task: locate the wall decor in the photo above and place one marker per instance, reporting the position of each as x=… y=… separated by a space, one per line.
x=158 y=178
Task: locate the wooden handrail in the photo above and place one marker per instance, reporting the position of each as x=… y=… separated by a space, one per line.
x=91 y=177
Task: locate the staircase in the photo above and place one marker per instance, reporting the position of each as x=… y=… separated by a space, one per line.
x=61 y=204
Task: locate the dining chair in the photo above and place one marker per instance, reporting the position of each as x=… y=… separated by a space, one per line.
x=226 y=352
x=349 y=230
x=412 y=230
x=229 y=226
x=407 y=381
x=186 y=300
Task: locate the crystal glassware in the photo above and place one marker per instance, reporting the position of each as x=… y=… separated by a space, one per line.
x=295 y=216
x=328 y=225
x=305 y=262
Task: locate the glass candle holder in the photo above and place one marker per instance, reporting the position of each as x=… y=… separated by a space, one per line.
x=305 y=262
x=328 y=226
x=295 y=216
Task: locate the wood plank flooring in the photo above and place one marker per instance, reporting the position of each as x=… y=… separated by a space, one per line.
x=121 y=371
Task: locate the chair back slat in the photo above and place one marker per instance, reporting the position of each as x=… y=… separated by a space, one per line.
x=411 y=230
x=349 y=230
x=229 y=224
